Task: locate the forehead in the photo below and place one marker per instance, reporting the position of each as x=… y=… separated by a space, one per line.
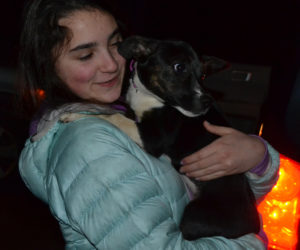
x=88 y=25
x=173 y=51
x=81 y=17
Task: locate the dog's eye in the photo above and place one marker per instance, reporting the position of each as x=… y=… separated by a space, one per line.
x=179 y=68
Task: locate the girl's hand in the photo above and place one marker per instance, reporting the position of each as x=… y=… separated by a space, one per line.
x=234 y=152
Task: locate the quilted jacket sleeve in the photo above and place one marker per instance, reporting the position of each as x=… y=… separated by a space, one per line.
x=102 y=190
x=261 y=185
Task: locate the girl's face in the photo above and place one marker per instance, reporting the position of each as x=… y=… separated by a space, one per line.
x=90 y=64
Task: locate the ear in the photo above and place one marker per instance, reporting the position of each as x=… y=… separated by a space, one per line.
x=137 y=47
x=213 y=64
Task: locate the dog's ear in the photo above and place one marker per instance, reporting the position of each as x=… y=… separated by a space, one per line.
x=213 y=64
x=137 y=47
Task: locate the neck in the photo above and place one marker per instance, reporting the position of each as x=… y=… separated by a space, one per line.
x=140 y=99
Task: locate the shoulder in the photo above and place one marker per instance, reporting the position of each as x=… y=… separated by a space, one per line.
x=89 y=131
x=77 y=144
x=91 y=145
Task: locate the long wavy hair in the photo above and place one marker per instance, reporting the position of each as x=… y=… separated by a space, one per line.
x=42 y=40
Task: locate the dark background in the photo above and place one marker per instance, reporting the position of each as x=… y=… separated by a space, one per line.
x=247 y=32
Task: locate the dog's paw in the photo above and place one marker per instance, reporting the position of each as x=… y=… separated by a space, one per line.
x=70 y=117
x=125 y=124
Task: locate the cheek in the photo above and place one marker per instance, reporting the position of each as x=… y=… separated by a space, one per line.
x=81 y=75
x=71 y=73
x=78 y=80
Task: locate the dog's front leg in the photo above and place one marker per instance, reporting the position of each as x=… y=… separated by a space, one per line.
x=125 y=124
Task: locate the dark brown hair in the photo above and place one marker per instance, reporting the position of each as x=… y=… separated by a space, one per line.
x=41 y=36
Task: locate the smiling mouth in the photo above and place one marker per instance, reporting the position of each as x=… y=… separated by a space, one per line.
x=109 y=83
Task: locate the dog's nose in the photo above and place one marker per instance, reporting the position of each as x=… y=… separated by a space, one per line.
x=206 y=101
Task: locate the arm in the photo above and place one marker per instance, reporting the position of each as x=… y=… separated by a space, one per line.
x=234 y=152
x=111 y=193
x=262 y=184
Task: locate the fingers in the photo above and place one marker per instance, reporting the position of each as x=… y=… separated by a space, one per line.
x=214 y=160
x=211 y=148
x=204 y=165
x=211 y=176
x=221 y=157
x=200 y=159
x=210 y=167
x=205 y=174
x=206 y=152
x=217 y=130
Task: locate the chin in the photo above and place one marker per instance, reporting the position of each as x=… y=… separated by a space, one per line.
x=109 y=98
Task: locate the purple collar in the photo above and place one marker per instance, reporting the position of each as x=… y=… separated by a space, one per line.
x=119 y=107
x=132 y=72
x=131 y=65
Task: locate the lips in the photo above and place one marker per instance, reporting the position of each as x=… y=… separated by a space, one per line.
x=109 y=83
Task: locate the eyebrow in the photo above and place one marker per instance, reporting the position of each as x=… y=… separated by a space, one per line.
x=93 y=44
x=83 y=46
x=115 y=33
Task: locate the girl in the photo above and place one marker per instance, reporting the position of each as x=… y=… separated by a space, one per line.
x=105 y=191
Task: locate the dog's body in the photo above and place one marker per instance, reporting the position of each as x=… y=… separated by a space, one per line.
x=170 y=106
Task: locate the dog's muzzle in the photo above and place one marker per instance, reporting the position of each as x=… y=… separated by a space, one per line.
x=201 y=105
x=206 y=101
x=195 y=107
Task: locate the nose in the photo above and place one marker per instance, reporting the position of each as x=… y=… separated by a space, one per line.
x=201 y=105
x=108 y=63
x=206 y=101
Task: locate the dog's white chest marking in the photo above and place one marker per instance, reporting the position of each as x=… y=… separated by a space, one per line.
x=141 y=99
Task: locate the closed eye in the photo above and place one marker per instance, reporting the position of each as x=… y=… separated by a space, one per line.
x=115 y=39
x=116 y=43
x=86 y=57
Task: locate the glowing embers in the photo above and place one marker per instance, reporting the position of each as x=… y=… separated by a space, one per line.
x=280 y=208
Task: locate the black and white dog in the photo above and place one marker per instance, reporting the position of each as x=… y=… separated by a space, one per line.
x=167 y=97
x=170 y=105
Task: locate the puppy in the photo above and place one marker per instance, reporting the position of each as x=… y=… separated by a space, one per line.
x=170 y=105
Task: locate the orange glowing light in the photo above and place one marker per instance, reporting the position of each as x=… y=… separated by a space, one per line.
x=41 y=94
x=280 y=209
x=261 y=128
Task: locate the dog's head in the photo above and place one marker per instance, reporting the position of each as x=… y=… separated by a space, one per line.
x=172 y=71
